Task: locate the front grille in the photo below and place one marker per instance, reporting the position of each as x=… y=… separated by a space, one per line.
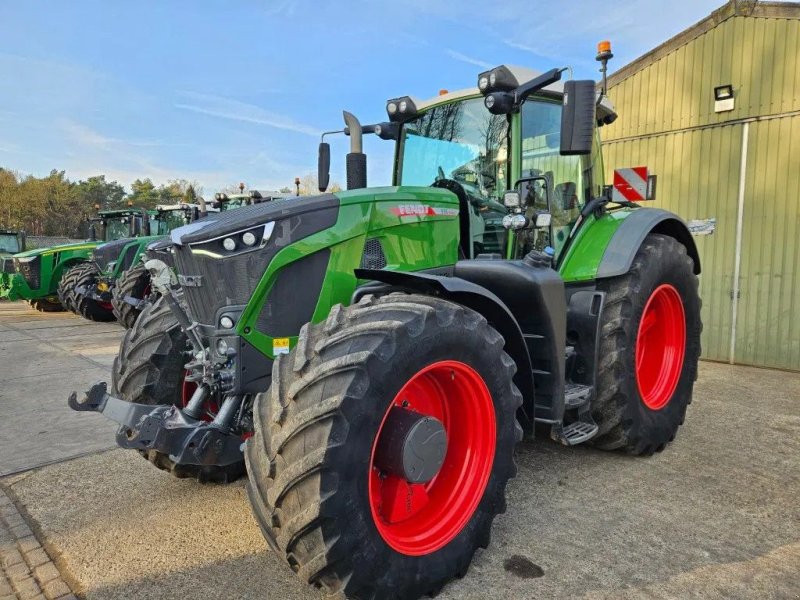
x=105 y=253
x=223 y=282
x=293 y=297
x=231 y=280
x=373 y=256
x=161 y=250
x=31 y=271
x=7 y=264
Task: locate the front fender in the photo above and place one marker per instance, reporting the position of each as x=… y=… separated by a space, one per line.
x=478 y=299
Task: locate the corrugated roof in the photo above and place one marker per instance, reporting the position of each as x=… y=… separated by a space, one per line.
x=733 y=8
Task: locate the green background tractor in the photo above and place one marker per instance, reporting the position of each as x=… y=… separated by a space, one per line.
x=87 y=288
x=382 y=350
x=11 y=242
x=38 y=271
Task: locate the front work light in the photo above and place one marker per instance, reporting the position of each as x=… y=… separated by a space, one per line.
x=401 y=109
x=499 y=79
x=499 y=103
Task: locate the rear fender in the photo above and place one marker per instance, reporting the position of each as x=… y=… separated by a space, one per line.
x=626 y=241
x=472 y=296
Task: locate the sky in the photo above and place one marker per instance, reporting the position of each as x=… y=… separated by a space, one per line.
x=220 y=92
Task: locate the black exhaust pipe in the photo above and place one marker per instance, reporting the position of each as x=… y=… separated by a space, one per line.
x=356 y=160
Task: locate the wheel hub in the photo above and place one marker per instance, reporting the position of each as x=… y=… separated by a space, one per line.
x=412 y=446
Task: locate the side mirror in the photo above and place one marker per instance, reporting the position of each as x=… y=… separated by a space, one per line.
x=324 y=166
x=578 y=117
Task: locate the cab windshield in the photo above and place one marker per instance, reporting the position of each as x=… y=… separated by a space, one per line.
x=166 y=221
x=461 y=146
x=9 y=243
x=116 y=228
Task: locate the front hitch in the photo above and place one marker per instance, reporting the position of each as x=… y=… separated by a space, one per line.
x=167 y=429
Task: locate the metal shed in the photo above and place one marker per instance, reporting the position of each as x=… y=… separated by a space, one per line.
x=731 y=164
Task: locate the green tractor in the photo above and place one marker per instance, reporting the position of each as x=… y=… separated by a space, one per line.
x=381 y=351
x=11 y=242
x=87 y=288
x=132 y=290
x=38 y=272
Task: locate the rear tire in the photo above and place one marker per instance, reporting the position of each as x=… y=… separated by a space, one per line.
x=66 y=286
x=149 y=369
x=630 y=415
x=89 y=308
x=310 y=461
x=135 y=283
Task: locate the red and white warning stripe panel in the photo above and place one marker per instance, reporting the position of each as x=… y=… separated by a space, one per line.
x=633 y=184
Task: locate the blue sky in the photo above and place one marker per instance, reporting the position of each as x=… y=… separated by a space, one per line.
x=227 y=91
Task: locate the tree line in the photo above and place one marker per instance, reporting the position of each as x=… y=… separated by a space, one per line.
x=56 y=206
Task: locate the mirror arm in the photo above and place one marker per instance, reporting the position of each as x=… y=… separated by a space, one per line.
x=534 y=85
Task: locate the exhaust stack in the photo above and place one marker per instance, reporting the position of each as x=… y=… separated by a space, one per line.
x=356 y=159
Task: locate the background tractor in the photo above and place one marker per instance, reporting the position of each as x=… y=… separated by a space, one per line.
x=39 y=271
x=87 y=288
x=11 y=242
x=383 y=350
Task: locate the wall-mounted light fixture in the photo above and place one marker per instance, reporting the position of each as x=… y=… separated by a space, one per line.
x=723 y=98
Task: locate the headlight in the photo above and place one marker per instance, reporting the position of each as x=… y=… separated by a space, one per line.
x=226 y=322
x=251 y=239
x=391 y=108
x=222 y=347
x=483 y=83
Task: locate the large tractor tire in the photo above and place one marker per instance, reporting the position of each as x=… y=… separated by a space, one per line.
x=68 y=282
x=46 y=305
x=133 y=283
x=332 y=467
x=149 y=369
x=649 y=348
x=89 y=308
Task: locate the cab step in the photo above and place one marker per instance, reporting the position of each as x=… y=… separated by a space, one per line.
x=578 y=433
x=576 y=395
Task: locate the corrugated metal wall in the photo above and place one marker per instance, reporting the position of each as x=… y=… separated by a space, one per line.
x=667 y=122
x=696 y=188
x=768 y=324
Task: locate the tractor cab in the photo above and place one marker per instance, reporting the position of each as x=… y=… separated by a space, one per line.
x=11 y=242
x=119 y=223
x=452 y=141
x=167 y=217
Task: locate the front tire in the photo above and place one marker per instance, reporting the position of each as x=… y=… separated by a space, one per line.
x=68 y=282
x=133 y=283
x=87 y=307
x=649 y=349
x=149 y=369
x=315 y=484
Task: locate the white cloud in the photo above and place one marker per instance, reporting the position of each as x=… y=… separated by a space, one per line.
x=226 y=108
x=468 y=59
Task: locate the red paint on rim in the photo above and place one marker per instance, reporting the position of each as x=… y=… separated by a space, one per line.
x=418 y=519
x=660 y=347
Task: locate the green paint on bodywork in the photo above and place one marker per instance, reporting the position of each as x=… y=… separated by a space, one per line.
x=53 y=262
x=586 y=250
x=410 y=243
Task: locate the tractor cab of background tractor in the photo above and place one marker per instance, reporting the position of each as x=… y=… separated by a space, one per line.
x=118 y=223
x=11 y=242
x=223 y=201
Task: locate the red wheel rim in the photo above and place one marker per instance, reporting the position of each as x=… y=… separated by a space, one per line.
x=660 y=347
x=417 y=519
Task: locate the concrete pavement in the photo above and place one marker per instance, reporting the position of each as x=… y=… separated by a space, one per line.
x=714 y=516
x=44 y=356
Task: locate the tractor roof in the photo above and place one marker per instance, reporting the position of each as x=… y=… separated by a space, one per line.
x=522 y=74
x=179 y=206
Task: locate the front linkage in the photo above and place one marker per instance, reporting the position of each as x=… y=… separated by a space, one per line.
x=190 y=435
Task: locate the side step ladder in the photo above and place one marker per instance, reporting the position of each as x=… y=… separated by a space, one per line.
x=576 y=397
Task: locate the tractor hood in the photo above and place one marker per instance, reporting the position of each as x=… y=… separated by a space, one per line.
x=110 y=251
x=54 y=249
x=247 y=217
